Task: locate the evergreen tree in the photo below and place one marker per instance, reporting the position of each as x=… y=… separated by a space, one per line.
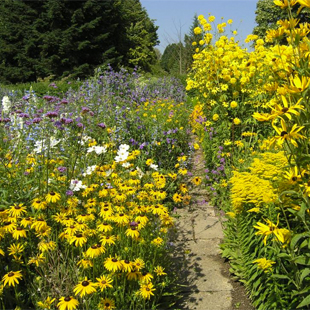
x=39 y=38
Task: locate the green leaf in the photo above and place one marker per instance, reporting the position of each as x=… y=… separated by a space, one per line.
x=304 y=273
x=296 y=238
x=302 y=260
x=305 y=302
x=280 y=276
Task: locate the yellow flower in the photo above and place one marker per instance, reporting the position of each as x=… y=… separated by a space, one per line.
x=104 y=282
x=285 y=3
x=197 y=30
x=12 y=278
x=284 y=134
x=19 y=232
x=106 y=304
x=67 y=303
x=113 y=264
x=160 y=271
x=17 y=210
x=52 y=197
x=146 y=290
x=233 y=104
x=264 y=264
x=215 y=117
x=237 y=121
x=196 y=180
x=281 y=234
x=46 y=304
x=84 y=287
x=196 y=146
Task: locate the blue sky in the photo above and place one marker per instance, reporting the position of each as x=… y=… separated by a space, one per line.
x=175 y=17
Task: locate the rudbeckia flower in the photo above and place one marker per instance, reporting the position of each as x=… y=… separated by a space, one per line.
x=104 y=282
x=113 y=264
x=12 y=278
x=146 y=290
x=85 y=287
x=52 y=197
x=67 y=303
x=106 y=304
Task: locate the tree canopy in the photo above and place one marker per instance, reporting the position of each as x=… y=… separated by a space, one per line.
x=40 y=38
x=268 y=14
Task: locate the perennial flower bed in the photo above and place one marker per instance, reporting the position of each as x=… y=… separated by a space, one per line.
x=252 y=116
x=87 y=184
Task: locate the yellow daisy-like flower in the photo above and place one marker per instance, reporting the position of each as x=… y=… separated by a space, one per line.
x=78 y=239
x=19 y=232
x=12 y=278
x=67 y=303
x=52 y=197
x=159 y=270
x=104 y=282
x=106 y=304
x=95 y=251
x=46 y=304
x=113 y=264
x=17 y=210
x=177 y=198
x=146 y=290
x=196 y=180
x=85 y=287
x=132 y=232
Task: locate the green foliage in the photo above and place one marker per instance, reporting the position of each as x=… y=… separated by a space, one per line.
x=268 y=14
x=62 y=38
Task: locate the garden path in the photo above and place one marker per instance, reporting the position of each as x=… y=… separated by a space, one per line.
x=206 y=282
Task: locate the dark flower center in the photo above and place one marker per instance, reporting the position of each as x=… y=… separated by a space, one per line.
x=283 y=133
x=126 y=261
x=284 y=110
x=147 y=289
x=94 y=247
x=104 y=282
x=19 y=228
x=85 y=283
x=114 y=260
x=294 y=179
x=11 y=274
x=52 y=193
x=17 y=207
x=79 y=235
x=107 y=304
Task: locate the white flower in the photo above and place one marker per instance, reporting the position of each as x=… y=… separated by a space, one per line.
x=91 y=149
x=140 y=172
x=126 y=165
x=155 y=167
x=6 y=104
x=121 y=156
x=53 y=141
x=89 y=170
x=76 y=185
x=39 y=146
x=100 y=149
x=124 y=147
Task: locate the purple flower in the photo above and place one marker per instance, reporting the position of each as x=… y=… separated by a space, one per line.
x=37 y=120
x=102 y=125
x=51 y=114
x=80 y=125
x=61 y=169
x=69 y=193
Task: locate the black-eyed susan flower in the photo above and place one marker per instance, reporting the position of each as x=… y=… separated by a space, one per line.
x=37 y=260
x=16 y=249
x=46 y=304
x=39 y=204
x=104 y=282
x=146 y=277
x=78 y=239
x=159 y=270
x=139 y=264
x=108 y=240
x=132 y=232
x=157 y=241
x=67 y=303
x=177 y=197
x=95 y=251
x=85 y=287
x=17 y=210
x=104 y=227
x=39 y=224
x=52 y=197
x=113 y=264
x=19 y=232
x=133 y=275
x=26 y=222
x=85 y=263
x=196 y=180
x=12 y=278
x=146 y=290
x=106 y=304
x=127 y=265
